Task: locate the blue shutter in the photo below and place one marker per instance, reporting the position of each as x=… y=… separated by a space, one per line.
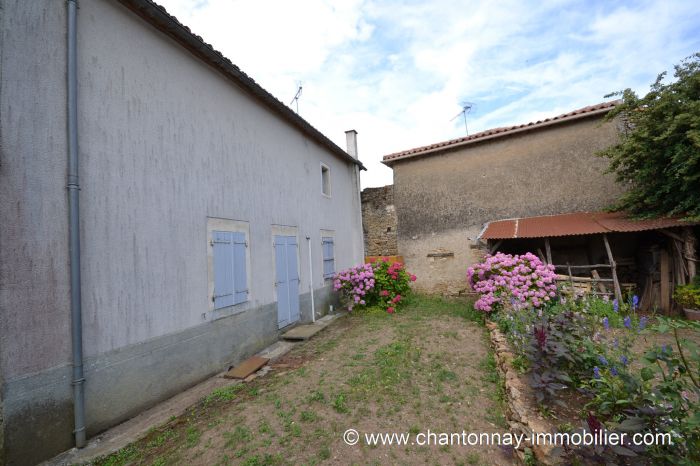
x=223 y=269
x=328 y=257
x=240 y=277
x=293 y=277
x=281 y=283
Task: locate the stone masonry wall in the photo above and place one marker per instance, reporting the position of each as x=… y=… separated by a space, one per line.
x=379 y=221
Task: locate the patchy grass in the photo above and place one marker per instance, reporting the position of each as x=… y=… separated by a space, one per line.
x=428 y=367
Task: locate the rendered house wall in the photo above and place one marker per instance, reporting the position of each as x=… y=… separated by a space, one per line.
x=166 y=142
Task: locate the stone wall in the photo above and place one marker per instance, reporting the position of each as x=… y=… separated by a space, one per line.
x=379 y=221
x=443 y=200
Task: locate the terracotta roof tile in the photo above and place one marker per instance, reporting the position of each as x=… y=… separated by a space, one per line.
x=578 y=223
x=591 y=110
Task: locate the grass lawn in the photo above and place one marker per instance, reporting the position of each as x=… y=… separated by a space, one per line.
x=429 y=367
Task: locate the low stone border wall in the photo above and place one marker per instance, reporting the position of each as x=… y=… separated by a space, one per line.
x=521 y=410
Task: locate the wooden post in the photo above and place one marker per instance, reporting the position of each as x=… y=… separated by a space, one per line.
x=613 y=266
x=548 y=250
x=596 y=276
x=689 y=252
x=665 y=283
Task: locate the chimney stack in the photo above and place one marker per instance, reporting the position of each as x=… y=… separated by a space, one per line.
x=351 y=141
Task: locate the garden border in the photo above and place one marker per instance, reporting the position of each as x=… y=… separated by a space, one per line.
x=521 y=407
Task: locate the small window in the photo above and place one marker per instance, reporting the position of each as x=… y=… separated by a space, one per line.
x=230 y=275
x=328 y=257
x=326 y=180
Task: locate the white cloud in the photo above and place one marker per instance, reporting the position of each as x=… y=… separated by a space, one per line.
x=397 y=71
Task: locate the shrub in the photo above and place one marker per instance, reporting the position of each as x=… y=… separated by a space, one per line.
x=524 y=279
x=687 y=296
x=375 y=284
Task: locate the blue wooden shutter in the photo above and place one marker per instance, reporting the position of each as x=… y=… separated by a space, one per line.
x=293 y=278
x=281 y=282
x=328 y=257
x=240 y=276
x=223 y=269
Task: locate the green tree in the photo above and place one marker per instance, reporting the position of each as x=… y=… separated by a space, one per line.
x=658 y=156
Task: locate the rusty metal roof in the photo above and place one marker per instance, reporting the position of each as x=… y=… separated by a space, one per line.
x=578 y=223
x=452 y=144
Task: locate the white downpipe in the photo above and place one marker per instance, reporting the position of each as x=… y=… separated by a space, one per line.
x=311 y=282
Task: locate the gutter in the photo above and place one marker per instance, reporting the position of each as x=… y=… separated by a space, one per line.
x=73 y=185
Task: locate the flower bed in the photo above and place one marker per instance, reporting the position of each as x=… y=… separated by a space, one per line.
x=591 y=347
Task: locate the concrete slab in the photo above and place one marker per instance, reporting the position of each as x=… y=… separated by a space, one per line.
x=302 y=332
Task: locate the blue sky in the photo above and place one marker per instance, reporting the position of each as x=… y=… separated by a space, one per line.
x=398 y=71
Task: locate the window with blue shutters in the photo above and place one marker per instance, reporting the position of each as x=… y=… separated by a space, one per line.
x=230 y=263
x=328 y=257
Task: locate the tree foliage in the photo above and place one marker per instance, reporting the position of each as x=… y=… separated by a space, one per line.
x=658 y=156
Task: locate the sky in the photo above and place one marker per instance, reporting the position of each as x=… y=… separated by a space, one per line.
x=399 y=72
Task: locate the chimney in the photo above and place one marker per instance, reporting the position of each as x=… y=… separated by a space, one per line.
x=351 y=141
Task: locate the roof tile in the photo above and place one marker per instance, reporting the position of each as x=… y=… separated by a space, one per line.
x=603 y=107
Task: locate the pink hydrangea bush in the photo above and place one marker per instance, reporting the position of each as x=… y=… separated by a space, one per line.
x=524 y=279
x=375 y=284
x=355 y=283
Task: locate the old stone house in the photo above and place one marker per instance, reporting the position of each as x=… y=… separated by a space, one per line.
x=209 y=212
x=445 y=193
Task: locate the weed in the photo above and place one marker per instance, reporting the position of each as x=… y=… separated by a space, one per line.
x=324 y=453
x=240 y=435
x=339 y=403
x=308 y=416
x=161 y=439
x=223 y=394
x=192 y=436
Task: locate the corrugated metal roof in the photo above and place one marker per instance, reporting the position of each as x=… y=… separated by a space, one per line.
x=584 y=112
x=578 y=223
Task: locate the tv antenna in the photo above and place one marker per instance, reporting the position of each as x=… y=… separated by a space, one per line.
x=296 y=96
x=466 y=108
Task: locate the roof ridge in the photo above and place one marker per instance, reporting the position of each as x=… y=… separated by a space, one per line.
x=501 y=131
x=159 y=17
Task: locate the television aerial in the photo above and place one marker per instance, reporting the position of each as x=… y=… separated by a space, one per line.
x=296 y=96
x=466 y=108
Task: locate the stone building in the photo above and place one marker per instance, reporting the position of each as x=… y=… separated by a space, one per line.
x=445 y=193
x=379 y=221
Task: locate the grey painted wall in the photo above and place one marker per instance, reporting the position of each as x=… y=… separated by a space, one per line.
x=165 y=142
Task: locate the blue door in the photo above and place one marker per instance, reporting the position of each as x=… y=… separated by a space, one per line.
x=286 y=280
